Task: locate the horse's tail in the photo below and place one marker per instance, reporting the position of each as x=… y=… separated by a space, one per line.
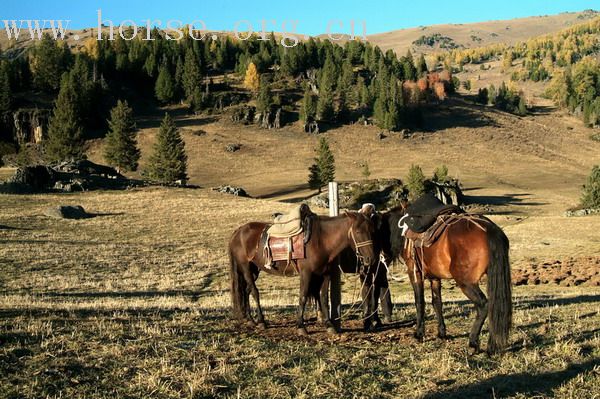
x=499 y=290
x=239 y=296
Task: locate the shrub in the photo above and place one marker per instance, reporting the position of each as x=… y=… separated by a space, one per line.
x=590 y=197
x=416 y=182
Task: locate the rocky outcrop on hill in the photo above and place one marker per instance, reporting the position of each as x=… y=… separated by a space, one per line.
x=72 y=176
x=226 y=189
x=384 y=193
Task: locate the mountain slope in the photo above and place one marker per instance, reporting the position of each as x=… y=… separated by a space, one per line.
x=476 y=34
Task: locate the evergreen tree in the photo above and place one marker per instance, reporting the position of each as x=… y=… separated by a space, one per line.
x=325 y=105
x=314 y=181
x=190 y=78
x=252 y=79
x=440 y=174
x=590 y=197
x=421 y=66
x=5 y=90
x=121 y=148
x=65 y=138
x=416 y=182
x=264 y=100
x=164 y=87
x=308 y=108
x=323 y=170
x=48 y=61
x=168 y=163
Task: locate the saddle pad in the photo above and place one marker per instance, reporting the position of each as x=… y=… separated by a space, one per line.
x=287 y=225
x=280 y=247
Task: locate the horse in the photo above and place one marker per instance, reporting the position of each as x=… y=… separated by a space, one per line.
x=329 y=237
x=374 y=281
x=465 y=251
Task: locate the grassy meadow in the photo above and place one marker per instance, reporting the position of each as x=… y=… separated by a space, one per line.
x=134 y=303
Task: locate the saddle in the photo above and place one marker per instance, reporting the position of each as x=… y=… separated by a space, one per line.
x=423 y=213
x=286 y=237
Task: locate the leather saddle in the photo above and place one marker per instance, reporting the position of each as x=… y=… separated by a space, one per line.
x=286 y=237
x=423 y=213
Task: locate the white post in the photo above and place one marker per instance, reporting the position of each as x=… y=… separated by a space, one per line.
x=334 y=209
x=335 y=285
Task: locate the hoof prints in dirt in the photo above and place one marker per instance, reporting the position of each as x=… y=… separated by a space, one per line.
x=584 y=271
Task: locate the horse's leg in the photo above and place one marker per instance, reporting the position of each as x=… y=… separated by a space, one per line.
x=385 y=298
x=474 y=293
x=324 y=300
x=303 y=297
x=436 y=301
x=416 y=280
x=368 y=298
x=251 y=288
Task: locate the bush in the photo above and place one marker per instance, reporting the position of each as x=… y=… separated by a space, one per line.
x=440 y=174
x=416 y=182
x=590 y=197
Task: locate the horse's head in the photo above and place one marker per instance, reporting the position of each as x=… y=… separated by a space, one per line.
x=360 y=234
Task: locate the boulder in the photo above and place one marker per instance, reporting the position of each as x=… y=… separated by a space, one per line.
x=233 y=147
x=227 y=189
x=67 y=212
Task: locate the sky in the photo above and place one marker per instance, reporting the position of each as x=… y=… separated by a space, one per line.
x=313 y=16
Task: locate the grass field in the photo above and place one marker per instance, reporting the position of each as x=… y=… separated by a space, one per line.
x=134 y=303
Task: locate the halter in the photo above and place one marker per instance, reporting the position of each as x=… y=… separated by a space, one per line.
x=358 y=245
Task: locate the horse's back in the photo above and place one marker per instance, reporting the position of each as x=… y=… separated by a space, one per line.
x=246 y=238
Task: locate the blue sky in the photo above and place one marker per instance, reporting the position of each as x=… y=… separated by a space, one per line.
x=312 y=15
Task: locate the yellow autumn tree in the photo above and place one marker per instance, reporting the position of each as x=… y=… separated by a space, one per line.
x=252 y=79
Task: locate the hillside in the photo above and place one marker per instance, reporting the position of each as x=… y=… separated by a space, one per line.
x=478 y=34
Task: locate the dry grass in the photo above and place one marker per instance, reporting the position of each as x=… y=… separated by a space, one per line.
x=134 y=303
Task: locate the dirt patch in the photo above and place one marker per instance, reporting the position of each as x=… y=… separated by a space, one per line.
x=584 y=271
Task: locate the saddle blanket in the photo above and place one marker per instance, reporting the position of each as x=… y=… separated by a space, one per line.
x=286 y=249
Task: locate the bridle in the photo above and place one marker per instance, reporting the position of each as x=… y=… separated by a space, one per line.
x=358 y=245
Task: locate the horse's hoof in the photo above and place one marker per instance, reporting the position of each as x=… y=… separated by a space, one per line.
x=332 y=330
x=474 y=348
x=262 y=325
x=442 y=335
x=419 y=336
x=250 y=323
x=302 y=332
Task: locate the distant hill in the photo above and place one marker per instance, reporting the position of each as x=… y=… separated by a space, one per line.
x=435 y=38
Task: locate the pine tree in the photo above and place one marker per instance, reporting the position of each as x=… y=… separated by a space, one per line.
x=168 y=163
x=326 y=87
x=190 y=78
x=5 y=90
x=590 y=197
x=121 y=148
x=314 y=181
x=416 y=182
x=65 y=138
x=421 y=66
x=325 y=162
x=264 y=100
x=252 y=79
x=164 y=87
x=47 y=62
x=308 y=109
x=440 y=174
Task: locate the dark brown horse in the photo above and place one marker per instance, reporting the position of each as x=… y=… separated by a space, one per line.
x=329 y=237
x=464 y=252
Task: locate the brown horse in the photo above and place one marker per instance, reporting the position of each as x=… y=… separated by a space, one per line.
x=464 y=252
x=329 y=237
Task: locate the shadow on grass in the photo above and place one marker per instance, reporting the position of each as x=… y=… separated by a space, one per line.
x=528 y=384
